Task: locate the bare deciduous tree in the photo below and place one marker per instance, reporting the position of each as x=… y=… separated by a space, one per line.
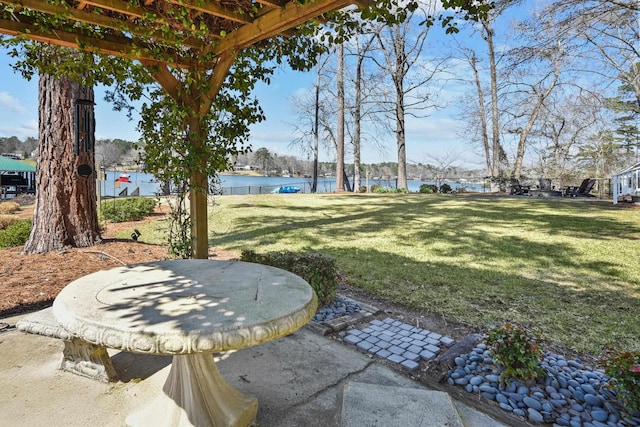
x=535 y=75
x=605 y=35
x=567 y=119
x=402 y=46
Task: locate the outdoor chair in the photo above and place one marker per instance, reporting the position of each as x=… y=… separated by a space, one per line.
x=545 y=184
x=517 y=189
x=583 y=190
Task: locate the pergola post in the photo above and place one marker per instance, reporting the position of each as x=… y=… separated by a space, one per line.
x=198 y=207
x=198 y=190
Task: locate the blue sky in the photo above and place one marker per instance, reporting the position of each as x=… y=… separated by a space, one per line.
x=433 y=137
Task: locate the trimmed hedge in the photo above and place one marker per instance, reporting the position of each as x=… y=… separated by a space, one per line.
x=317 y=270
x=129 y=209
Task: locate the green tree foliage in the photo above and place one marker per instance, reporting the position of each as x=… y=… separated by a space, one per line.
x=262 y=157
x=627 y=108
x=600 y=155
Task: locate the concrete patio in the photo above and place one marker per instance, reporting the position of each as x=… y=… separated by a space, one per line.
x=304 y=379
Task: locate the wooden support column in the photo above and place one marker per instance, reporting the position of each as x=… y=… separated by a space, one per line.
x=198 y=206
x=199 y=181
x=198 y=189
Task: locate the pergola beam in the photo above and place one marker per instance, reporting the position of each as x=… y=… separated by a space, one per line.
x=277 y=21
x=214 y=10
x=119 y=6
x=100 y=21
x=272 y=3
x=128 y=31
x=109 y=45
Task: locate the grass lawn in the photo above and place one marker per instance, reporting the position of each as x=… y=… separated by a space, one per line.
x=570 y=268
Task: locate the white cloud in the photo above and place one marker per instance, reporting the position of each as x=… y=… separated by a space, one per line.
x=433 y=129
x=31 y=125
x=12 y=103
x=21 y=132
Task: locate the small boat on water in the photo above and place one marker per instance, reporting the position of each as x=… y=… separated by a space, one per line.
x=286 y=189
x=124 y=177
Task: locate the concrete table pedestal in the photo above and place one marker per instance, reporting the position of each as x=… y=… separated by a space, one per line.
x=196 y=394
x=188 y=309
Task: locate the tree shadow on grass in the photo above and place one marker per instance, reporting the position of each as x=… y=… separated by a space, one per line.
x=447 y=255
x=483 y=229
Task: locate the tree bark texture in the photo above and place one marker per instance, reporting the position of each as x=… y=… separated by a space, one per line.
x=483 y=115
x=357 y=117
x=541 y=97
x=65 y=213
x=495 y=114
x=340 y=131
x=400 y=74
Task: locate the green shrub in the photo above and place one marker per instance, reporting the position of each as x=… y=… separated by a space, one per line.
x=9 y=207
x=129 y=209
x=445 y=188
x=15 y=234
x=374 y=188
x=317 y=270
x=362 y=189
x=428 y=189
x=517 y=350
x=380 y=189
x=623 y=367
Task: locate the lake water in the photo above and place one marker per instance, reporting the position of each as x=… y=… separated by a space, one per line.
x=240 y=184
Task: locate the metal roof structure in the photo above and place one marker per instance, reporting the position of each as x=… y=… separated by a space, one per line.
x=10 y=165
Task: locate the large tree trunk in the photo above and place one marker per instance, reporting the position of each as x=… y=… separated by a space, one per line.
x=357 y=117
x=401 y=72
x=483 y=115
x=316 y=136
x=340 y=131
x=495 y=114
x=65 y=209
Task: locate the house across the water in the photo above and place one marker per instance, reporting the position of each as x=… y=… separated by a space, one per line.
x=16 y=178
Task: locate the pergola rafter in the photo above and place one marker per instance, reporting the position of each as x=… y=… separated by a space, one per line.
x=140 y=30
x=203 y=37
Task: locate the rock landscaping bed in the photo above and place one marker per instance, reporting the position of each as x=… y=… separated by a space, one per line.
x=341 y=313
x=572 y=394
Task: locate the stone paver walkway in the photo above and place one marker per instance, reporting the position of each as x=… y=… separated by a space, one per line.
x=398 y=342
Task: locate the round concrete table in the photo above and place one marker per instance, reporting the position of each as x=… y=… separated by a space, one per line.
x=189 y=309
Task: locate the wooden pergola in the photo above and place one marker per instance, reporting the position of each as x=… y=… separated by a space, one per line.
x=165 y=35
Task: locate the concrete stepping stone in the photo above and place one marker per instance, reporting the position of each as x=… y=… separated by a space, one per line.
x=369 y=405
